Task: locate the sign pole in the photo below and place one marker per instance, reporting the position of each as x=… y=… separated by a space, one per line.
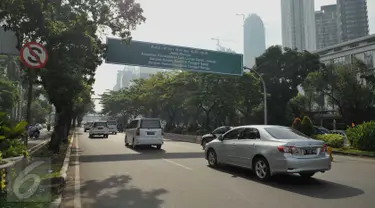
x=30 y=76
x=34 y=56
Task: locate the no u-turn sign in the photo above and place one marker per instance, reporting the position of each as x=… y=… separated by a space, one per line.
x=34 y=55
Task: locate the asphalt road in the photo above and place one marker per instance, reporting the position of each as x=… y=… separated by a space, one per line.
x=108 y=174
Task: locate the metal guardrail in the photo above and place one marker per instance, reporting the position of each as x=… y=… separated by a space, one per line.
x=182 y=137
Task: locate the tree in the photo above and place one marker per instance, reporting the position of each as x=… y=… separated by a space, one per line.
x=69 y=30
x=283 y=72
x=299 y=105
x=307 y=126
x=248 y=89
x=196 y=101
x=355 y=101
x=297 y=124
x=9 y=94
x=40 y=109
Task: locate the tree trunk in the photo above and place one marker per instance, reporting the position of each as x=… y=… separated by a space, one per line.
x=74 y=121
x=58 y=132
x=79 y=120
x=68 y=126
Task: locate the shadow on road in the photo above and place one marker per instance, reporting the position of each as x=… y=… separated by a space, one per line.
x=109 y=193
x=97 y=137
x=316 y=188
x=148 y=150
x=145 y=154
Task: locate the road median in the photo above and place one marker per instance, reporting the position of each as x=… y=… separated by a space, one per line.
x=337 y=151
x=353 y=152
x=49 y=167
x=183 y=137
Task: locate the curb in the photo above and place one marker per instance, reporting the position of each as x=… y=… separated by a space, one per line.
x=353 y=154
x=57 y=202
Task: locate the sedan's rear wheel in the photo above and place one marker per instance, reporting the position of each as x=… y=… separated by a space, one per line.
x=262 y=168
x=212 y=158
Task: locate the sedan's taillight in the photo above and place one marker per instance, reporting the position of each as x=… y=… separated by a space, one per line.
x=325 y=148
x=287 y=149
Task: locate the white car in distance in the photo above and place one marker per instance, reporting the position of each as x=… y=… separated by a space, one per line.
x=112 y=125
x=99 y=128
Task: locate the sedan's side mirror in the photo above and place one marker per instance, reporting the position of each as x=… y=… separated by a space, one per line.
x=220 y=138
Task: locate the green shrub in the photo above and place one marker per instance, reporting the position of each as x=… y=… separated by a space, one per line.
x=14 y=148
x=297 y=124
x=362 y=136
x=307 y=126
x=332 y=140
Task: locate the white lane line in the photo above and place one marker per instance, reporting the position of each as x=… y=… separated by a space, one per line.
x=178 y=164
x=77 y=182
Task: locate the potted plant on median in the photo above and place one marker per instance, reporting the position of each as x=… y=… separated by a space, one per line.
x=11 y=134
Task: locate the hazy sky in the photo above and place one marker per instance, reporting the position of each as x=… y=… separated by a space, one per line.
x=194 y=22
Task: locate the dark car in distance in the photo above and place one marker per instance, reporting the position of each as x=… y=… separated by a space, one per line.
x=214 y=134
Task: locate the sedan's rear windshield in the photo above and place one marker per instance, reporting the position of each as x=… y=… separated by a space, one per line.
x=285 y=133
x=150 y=124
x=100 y=124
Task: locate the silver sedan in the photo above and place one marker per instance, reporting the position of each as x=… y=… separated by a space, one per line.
x=269 y=150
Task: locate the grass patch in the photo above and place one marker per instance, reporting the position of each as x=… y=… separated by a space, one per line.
x=354 y=151
x=57 y=160
x=47 y=173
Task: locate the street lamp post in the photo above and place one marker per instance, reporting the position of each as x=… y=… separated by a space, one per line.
x=264 y=92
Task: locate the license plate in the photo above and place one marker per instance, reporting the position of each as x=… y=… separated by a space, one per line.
x=100 y=128
x=150 y=133
x=309 y=151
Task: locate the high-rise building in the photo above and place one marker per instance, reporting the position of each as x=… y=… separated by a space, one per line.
x=353 y=19
x=326 y=23
x=8 y=42
x=127 y=78
x=146 y=72
x=129 y=74
x=298 y=24
x=118 y=81
x=254 y=39
x=347 y=20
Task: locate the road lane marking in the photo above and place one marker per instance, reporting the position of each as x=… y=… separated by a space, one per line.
x=178 y=164
x=77 y=183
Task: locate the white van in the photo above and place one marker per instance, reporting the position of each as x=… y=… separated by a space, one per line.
x=99 y=128
x=144 y=131
x=112 y=125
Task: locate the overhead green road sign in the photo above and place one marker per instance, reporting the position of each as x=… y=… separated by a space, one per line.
x=173 y=57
